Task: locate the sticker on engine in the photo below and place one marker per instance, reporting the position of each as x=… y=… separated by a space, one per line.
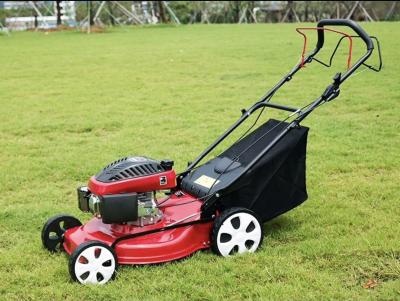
x=163 y=180
x=206 y=181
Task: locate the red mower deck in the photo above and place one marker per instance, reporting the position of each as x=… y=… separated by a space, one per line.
x=158 y=247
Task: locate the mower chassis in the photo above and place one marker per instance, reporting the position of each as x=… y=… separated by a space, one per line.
x=177 y=235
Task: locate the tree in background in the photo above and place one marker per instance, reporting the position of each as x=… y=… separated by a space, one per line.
x=189 y=12
x=58 y=12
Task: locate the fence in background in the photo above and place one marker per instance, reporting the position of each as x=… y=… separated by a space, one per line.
x=22 y=15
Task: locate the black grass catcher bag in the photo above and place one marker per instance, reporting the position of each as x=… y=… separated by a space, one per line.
x=276 y=182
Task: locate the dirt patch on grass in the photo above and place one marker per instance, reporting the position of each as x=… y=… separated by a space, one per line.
x=93 y=29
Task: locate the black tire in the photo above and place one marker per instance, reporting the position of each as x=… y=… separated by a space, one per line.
x=251 y=240
x=54 y=229
x=109 y=271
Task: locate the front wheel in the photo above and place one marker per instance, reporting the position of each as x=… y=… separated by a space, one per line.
x=93 y=262
x=236 y=231
x=54 y=229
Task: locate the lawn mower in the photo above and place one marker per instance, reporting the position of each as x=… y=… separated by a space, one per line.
x=220 y=204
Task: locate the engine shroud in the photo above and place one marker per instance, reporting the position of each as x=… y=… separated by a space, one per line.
x=133 y=174
x=129 y=168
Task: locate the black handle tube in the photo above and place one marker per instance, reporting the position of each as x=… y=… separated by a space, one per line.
x=261 y=103
x=343 y=22
x=265 y=99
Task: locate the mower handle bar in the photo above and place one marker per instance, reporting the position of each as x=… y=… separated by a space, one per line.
x=357 y=29
x=265 y=100
x=342 y=22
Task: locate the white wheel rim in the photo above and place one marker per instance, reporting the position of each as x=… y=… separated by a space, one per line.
x=239 y=233
x=94 y=265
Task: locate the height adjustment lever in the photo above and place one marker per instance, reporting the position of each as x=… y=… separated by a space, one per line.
x=336 y=79
x=332 y=91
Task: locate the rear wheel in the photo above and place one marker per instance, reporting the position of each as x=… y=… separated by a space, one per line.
x=236 y=231
x=93 y=262
x=54 y=229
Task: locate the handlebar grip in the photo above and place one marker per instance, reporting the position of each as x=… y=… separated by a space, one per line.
x=343 y=22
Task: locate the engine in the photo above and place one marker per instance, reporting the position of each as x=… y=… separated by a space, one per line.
x=125 y=191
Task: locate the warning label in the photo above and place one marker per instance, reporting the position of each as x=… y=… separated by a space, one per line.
x=206 y=181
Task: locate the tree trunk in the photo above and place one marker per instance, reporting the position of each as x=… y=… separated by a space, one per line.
x=110 y=10
x=290 y=10
x=58 y=9
x=36 y=23
x=161 y=11
x=91 y=13
x=236 y=11
x=249 y=12
x=305 y=11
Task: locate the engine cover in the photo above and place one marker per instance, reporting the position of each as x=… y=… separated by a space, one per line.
x=129 y=168
x=133 y=174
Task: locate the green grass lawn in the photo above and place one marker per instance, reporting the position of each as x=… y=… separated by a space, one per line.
x=70 y=103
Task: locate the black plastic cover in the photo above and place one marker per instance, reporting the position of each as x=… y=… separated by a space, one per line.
x=119 y=208
x=129 y=167
x=83 y=198
x=274 y=185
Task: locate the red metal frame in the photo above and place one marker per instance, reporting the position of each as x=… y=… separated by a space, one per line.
x=158 y=247
x=299 y=29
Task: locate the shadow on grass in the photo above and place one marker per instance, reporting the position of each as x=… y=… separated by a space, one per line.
x=277 y=228
x=280 y=225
